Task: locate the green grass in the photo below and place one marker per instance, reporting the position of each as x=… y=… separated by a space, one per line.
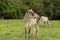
x=14 y=30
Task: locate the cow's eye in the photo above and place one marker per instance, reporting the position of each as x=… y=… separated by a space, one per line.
x=34 y=17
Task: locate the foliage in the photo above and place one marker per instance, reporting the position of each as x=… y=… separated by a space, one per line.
x=13 y=9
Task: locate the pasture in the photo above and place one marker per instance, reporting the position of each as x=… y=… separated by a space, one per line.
x=14 y=30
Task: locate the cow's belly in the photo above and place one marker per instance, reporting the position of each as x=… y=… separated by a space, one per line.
x=44 y=20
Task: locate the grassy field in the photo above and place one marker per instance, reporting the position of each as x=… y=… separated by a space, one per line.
x=14 y=30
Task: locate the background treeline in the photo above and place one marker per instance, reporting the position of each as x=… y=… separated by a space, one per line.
x=15 y=9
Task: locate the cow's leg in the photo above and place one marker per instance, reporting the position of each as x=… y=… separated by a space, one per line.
x=37 y=28
x=34 y=30
x=28 y=36
x=42 y=22
x=29 y=33
x=25 y=33
x=48 y=23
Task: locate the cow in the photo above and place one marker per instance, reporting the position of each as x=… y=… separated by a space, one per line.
x=30 y=19
x=45 y=20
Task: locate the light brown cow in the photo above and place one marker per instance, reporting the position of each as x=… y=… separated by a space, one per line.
x=45 y=20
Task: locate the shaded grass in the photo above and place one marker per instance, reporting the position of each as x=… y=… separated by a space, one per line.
x=14 y=30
